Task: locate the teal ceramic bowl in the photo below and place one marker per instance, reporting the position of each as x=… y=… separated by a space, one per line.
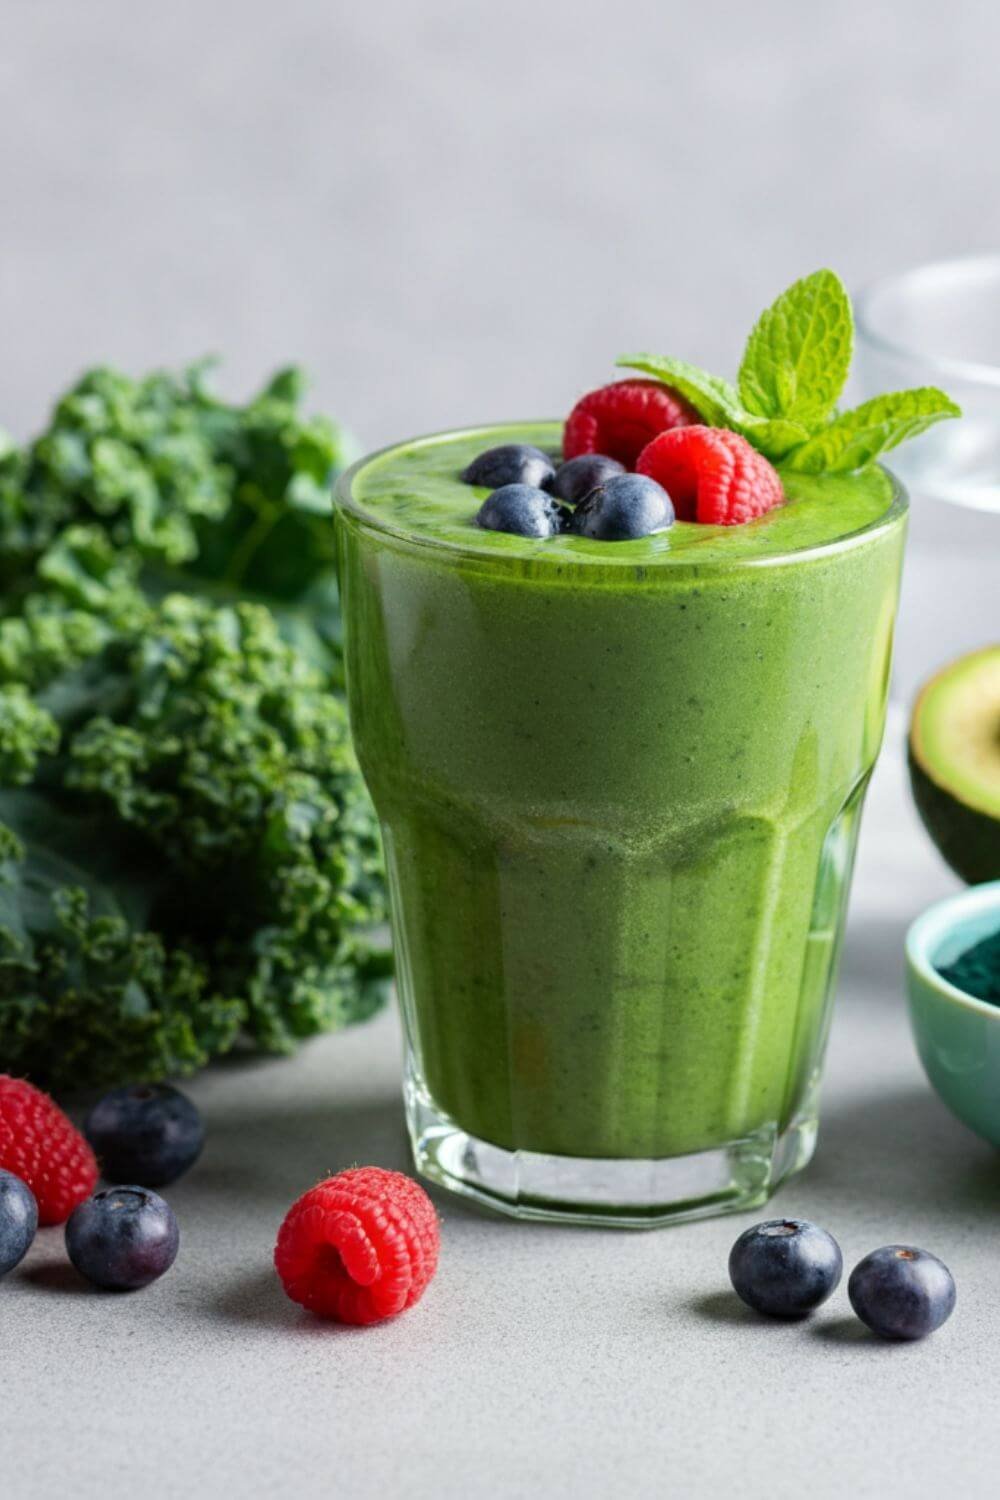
x=957 y=1036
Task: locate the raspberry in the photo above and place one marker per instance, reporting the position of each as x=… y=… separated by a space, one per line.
x=42 y=1147
x=620 y=419
x=712 y=475
x=359 y=1247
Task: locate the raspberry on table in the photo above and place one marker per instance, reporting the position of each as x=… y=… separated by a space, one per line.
x=620 y=419
x=359 y=1247
x=712 y=475
x=39 y=1144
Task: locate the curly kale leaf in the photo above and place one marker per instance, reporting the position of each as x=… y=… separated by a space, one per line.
x=188 y=859
x=85 y=997
x=192 y=858
x=129 y=455
x=191 y=493
x=27 y=732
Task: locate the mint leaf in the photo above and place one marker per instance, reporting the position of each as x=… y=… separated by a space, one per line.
x=714 y=399
x=718 y=403
x=794 y=368
x=858 y=437
x=799 y=352
x=773 y=437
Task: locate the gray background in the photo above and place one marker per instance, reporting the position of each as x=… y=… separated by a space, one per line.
x=455 y=212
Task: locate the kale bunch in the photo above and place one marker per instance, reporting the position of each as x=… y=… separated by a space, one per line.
x=192 y=493
x=188 y=858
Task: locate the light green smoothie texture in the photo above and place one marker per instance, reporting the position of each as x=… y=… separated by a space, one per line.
x=619 y=787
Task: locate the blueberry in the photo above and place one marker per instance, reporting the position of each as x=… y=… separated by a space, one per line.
x=511 y=463
x=521 y=509
x=785 y=1267
x=578 y=476
x=623 y=508
x=122 y=1238
x=148 y=1133
x=18 y=1220
x=901 y=1293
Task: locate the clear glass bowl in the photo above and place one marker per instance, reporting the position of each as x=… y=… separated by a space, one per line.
x=939 y=324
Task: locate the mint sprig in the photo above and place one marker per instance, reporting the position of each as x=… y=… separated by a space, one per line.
x=799 y=352
x=858 y=437
x=793 y=370
x=714 y=399
x=718 y=403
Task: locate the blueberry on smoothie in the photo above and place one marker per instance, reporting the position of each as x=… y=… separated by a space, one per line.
x=148 y=1133
x=578 y=476
x=122 y=1238
x=785 y=1267
x=901 y=1292
x=625 y=507
x=522 y=510
x=18 y=1220
x=510 y=463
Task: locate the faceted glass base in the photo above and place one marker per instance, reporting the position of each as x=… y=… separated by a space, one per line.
x=619 y=1193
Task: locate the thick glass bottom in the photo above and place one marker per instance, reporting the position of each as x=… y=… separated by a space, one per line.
x=623 y=1193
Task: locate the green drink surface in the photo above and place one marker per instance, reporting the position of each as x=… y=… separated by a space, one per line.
x=619 y=785
x=415 y=490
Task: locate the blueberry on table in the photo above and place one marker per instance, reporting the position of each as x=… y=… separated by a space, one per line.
x=901 y=1292
x=18 y=1220
x=578 y=476
x=522 y=510
x=625 y=507
x=148 y=1133
x=122 y=1238
x=785 y=1267
x=511 y=463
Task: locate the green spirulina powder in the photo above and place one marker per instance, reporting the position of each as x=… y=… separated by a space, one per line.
x=977 y=970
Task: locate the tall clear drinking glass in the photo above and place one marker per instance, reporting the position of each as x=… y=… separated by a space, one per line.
x=619 y=806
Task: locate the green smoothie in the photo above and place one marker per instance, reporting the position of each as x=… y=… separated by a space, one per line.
x=619 y=788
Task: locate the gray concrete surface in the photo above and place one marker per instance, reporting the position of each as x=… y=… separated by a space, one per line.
x=453 y=212
x=542 y=1361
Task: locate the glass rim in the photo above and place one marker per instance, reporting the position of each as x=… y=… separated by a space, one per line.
x=951 y=267
x=347 y=504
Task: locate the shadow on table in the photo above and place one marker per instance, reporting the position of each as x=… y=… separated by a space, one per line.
x=726 y=1310
x=851 y=1331
x=254 y=1156
x=257 y=1300
x=873 y=960
x=251 y=1152
x=873 y=963
x=57 y=1276
x=902 y=1148
x=724 y=1307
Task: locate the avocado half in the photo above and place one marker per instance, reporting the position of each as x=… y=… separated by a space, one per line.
x=955 y=763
